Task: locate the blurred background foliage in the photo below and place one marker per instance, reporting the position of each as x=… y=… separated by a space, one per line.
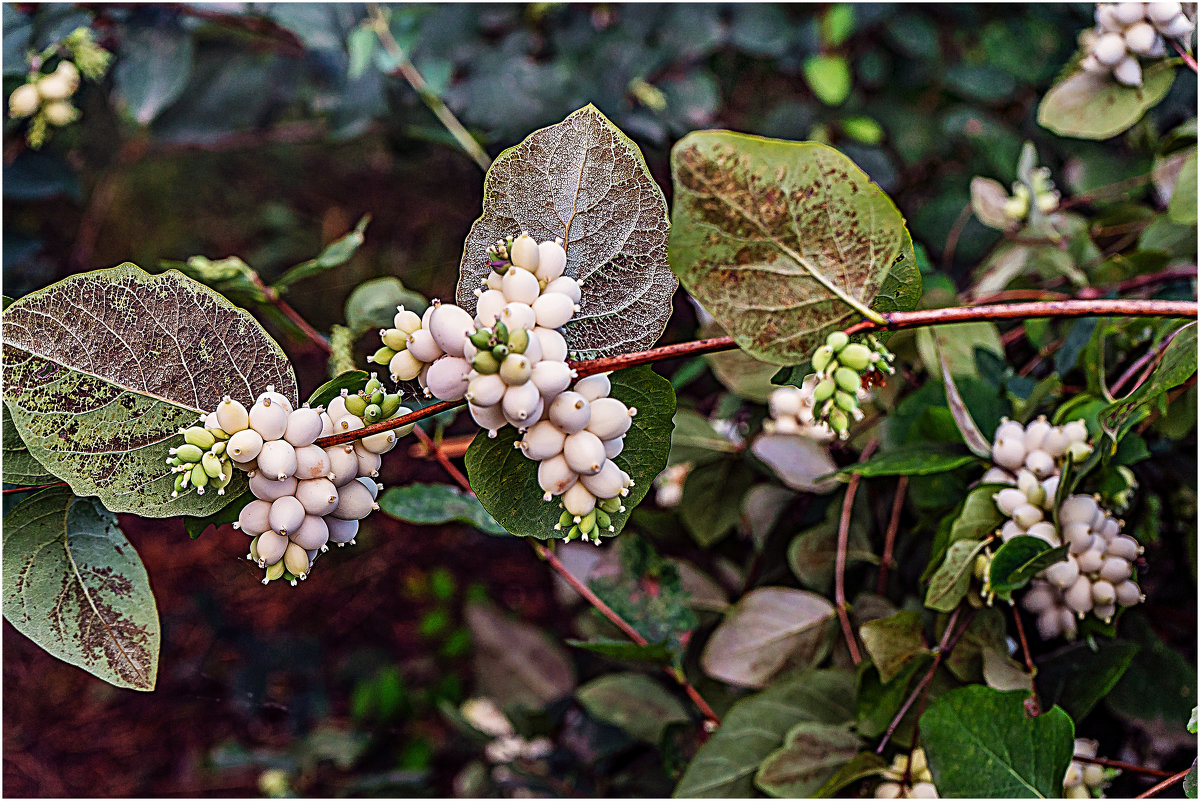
x=268 y=132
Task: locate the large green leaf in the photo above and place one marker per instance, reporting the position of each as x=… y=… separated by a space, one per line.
x=915 y=460
x=781 y=241
x=1182 y=209
x=102 y=369
x=75 y=586
x=949 y=583
x=981 y=744
x=766 y=629
x=586 y=182
x=1178 y=364
x=506 y=482
x=1080 y=675
x=1019 y=560
x=20 y=467
x=633 y=702
x=893 y=641
x=436 y=503
x=725 y=766
x=1093 y=106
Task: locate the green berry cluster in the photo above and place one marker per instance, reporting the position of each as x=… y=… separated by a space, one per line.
x=498 y=257
x=501 y=350
x=840 y=365
x=590 y=525
x=372 y=404
x=201 y=461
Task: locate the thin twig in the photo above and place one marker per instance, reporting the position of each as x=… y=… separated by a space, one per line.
x=889 y=539
x=1149 y=360
x=406 y=70
x=546 y=554
x=948 y=641
x=843 y=540
x=1119 y=765
x=894 y=321
x=956 y=230
x=1141 y=281
x=1185 y=55
x=272 y=296
x=1164 y=784
x=38 y=487
x=1034 y=702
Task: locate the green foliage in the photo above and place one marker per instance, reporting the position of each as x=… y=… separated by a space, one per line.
x=74 y=585
x=506 y=482
x=893 y=641
x=740 y=204
x=648 y=593
x=911 y=461
x=1019 y=560
x=427 y=504
x=1093 y=106
x=981 y=743
x=633 y=702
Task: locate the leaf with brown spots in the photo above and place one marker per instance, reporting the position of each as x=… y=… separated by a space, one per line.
x=583 y=180
x=783 y=242
x=102 y=369
x=75 y=586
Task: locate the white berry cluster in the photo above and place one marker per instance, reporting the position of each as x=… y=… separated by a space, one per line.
x=306 y=495
x=1096 y=575
x=839 y=366
x=793 y=412
x=1126 y=31
x=45 y=98
x=509 y=363
x=917 y=784
x=1086 y=779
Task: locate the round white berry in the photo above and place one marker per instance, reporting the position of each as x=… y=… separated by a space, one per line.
x=613 y=447
x=520 y=285
x=555 y=476
x=270 y=547
x=515 y=370
x=380 y=443
x=550 y=378
x=553 y=344
x=520 y=401
x=1040 y=462
x=448 y=377
x=268 y=488
x=277 y=459
x=318 y=496
x=287 y=513
x=232 y=416
x=1128 y=593
x=607 y=482
x=571 y=412
x=254 y=518
x=553 y=310
x=311 y=462
x=552 y=260
x=1140 y=38
x=1109 y=49
x=490 y=418
x=354 y=502
x=584 y=452
x=1128 y=71
x=341 y=531
x=578 y=501
x=565 y=286
x=1079 y=595
x=244 y=446
x=1063 y=574
x=312 y=533
x=422 y=345
x=610 y=418
x=343 y=464
x=489 y=306
x=450 y=326
x=524 y=252
x=486 y=390
x=542 y=441
x=269 y=420
x=1009 y=453
x=1008 y=500
x=1130 y=12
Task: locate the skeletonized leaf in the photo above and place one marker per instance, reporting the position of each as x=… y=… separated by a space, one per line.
x=75 y=586
x=20 y=467
x=765 y=629
x=583 y=180
x=782 y=241
x=103 y=368
x=505 y=481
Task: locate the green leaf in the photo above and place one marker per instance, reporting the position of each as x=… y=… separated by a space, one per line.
x=1019 y=560
x=372 y=304
x=765 y=630
x=633 y=702
x=860 y=767
x=959 y=343
x=811 y=554
x=879 y=703
x=920 y=460
x=656 y=653
x=893 y=641
x=967 y=427
x=1080 y=675
x=517 y=663
x=352 y=380
x=1182 y=209
x=837 y=24
x=362 y=44
x=1093 y=106
x=976 y=518
x=427 y=504
x=102 y=369
x=153 y=70
x=810 y=754
x=1159 y=688
x=648 y=593
x=20 y=466
x=583 y=180
x=75 y=586
x=335 y=254
x=695 y=440
x=829 y=78
x=949 y=584
x=725 y=766
x=707 y=522
x=781 y=242
x=981 y=744
x=1178 y=364
x=506 y=482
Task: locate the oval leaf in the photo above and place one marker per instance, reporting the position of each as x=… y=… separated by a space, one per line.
x=633 y=702
x=1092 y=106
x=586 y=182
x=506 y=482
x=75 y=586
x=1019 y=560
x=102 y=369
x=765 y=629
x=809 y=756
x=981 y=745
x=781 y=241
x=517 y=663
x=436 y=503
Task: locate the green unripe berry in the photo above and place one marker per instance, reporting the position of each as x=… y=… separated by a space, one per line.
x=372 y=414
x=175 y=461
x=395 y=339
x=847 y=379
x=377 y=397
x=389 y=405
x=823 y=390
x=178 y=484
x=219 y=434
x=565 y=519
x=518 y=340
x=838 y=421
x=219 y=448
x=500 y=351
x=202 y=438
x=845 y=401
x=383 y=356
x=856 y=357
x=189 y=453
x=356 y=405
x=588 y=522
x=481 y=338
x=373 y=385
x=199 y=477
x=837 y=340
x=485 y=363
x=603 y=520
x=822 y=358
x=275 y=571
x=501 y=332
x=610 y=505
x=211 y=465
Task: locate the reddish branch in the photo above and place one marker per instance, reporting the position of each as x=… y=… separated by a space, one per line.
x=843 y=543
x=1164 y=784
x=895 y=321
x=1119 y=765
x=889 y=539
x=272 y=296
